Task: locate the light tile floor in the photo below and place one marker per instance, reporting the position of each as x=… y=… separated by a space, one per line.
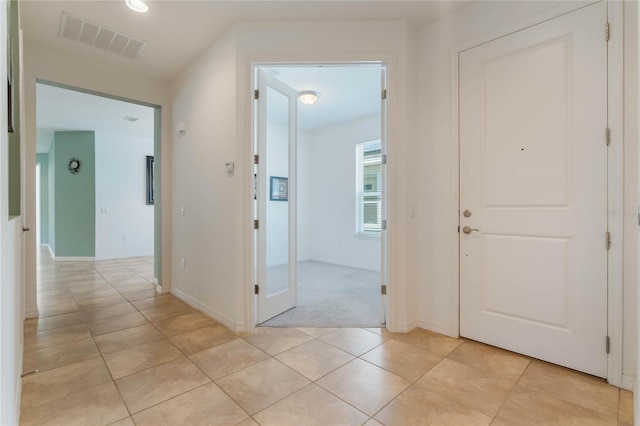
x=109 y=350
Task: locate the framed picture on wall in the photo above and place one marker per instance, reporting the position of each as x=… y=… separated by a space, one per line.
x=150 y=175
x=279 y=188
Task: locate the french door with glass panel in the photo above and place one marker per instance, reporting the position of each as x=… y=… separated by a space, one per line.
x=276 y=196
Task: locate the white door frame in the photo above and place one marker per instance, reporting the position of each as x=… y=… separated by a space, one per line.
x=38 y=206
x=252 y=64
x=615 y=172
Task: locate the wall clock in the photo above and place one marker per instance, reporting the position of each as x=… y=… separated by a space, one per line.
x=74 y=165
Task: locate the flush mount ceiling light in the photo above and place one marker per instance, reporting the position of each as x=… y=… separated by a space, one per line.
x=137 y=5
x=308 y=97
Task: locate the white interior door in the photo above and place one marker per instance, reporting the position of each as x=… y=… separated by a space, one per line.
x=384 y=267
x=276 y=197
x=533 y=191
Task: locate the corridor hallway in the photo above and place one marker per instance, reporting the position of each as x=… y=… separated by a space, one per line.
x=109 y=350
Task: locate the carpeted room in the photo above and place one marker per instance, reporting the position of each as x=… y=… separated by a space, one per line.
x=336 y=197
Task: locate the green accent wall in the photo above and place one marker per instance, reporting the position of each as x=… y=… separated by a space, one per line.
x=74 y=195
x=43 y=160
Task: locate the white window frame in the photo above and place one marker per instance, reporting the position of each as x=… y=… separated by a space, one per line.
x=360 y=193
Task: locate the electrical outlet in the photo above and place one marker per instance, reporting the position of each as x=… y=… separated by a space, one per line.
x=182 y=263
x=124 y=238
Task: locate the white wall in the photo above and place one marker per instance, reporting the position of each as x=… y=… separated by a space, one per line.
x=207 y=236
x=125 y=229
x=632 y=188
x=332 y=171
x=631 y=191
x=434 y=178
x=326 y=191
x=11 y=292
x=213 y=97
x=305 y=196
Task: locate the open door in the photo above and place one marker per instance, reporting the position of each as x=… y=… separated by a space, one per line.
x=276 y=196
x=383 y=197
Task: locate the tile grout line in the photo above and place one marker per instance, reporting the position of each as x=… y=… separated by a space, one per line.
x=85 y=322
x=269 y=356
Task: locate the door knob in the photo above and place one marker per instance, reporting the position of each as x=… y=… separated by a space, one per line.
x=468 y=230
x=25 y=229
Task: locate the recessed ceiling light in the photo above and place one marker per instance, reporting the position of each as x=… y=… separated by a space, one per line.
x=137 y=5
x=130 y=118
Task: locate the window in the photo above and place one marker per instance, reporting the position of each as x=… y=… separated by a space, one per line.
x=368 y=187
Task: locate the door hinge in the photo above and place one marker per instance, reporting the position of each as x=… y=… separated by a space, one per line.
x=608 y=136
x=256 y=289
x=256 y=159
x=384 y=94
x=383 y=224
x=383 y=290
x=608 y=344
x=458 y=229
x=608 y=240
x=383 y=159
x=607 y=31
x=256 y=94
x=256 y=224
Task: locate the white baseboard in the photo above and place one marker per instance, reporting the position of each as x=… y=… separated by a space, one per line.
x=123 y=256
x=341 y=262
x=628 y=382
x=74 y=258
x=220 y=317
x=403 y=327
x=161 y=289
x=32 y=314
x=436 y=328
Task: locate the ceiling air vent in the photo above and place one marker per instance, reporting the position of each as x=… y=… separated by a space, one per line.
x=98 y=36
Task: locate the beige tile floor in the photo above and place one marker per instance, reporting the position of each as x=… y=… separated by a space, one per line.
x=109 y=350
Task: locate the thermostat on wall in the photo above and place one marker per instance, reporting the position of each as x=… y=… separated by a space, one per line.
x=229 y=167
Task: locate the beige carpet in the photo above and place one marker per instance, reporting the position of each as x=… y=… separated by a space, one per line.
x=330 y=296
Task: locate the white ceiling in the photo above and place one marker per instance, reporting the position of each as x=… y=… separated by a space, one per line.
x=60 y=109
x=178 y=31
x=347 y=93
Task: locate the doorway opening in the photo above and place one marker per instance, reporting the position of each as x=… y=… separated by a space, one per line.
x=98 y=182
x=320 y=194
